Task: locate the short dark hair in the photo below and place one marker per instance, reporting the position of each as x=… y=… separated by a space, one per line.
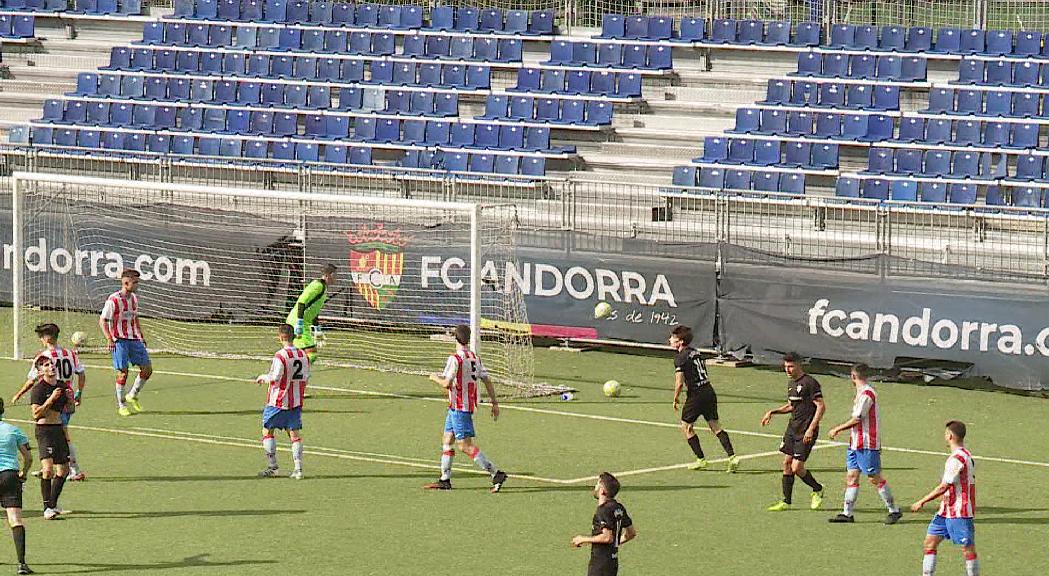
x=130 y=273
x=683 y=333
x=41 y=360
x=792 y=357
x=610 y=483
x=48 y=329
x=861 y=370
x=328 y=268
x=286 y=331
x=957 y=428
x=462 y=334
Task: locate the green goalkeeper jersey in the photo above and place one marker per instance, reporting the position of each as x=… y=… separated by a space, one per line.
x=310 y=302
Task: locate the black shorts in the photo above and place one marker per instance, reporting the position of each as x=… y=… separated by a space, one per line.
x=603 y=567
x=10 y=489
x=51 y=440
x=794 y=444
x=703 y=402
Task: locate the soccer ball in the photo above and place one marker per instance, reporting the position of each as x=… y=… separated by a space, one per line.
x=611 y=388
x=78 y=338
x=602 y=310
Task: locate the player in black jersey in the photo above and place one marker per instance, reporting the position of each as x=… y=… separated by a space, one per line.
x=700 y=399
x=805 y=406
x=612 y=528
x=48 y=397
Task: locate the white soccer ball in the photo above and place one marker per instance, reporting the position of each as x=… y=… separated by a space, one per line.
x=602 y=310
x=611 y=388
x=78 y=338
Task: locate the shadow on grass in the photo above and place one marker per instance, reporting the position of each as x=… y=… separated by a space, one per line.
x=198 y=561
x=249 y=477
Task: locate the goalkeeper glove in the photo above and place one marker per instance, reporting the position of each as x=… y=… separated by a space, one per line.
x=298 y=327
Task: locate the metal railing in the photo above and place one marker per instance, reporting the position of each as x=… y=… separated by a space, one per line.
x=979 y=241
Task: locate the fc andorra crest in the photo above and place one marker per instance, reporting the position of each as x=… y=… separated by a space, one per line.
x=377 y=262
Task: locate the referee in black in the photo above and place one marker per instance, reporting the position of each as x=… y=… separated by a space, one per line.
x=48 y=397
x=700 y=399
x=14 y=444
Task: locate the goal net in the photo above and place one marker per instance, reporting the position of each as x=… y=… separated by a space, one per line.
x=220 y=268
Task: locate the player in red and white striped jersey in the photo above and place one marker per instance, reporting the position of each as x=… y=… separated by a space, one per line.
x=120 y=325
x=461 y=374
x=287 y=379
x=864 y=453
x=957 y=489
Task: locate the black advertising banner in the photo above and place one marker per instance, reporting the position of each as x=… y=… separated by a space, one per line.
x=233 y=267
x=1001 y=328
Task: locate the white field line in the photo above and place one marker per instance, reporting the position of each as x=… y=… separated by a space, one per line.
x=686 y=465
x=603 y=418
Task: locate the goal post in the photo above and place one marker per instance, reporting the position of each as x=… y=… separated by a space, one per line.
x=221 y=267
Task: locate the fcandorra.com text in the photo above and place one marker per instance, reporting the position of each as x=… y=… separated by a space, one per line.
x=923 y=330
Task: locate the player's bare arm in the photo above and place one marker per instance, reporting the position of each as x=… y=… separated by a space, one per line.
x=605 y=537
x=629 y=533
x=21 y=391
x=441 y=381
x=936 y=493
x=784 y=409
x=810 y=433
x=847 y=425
x=679 y=383
x=81 y=382
x=491 y=397
x=27 y=461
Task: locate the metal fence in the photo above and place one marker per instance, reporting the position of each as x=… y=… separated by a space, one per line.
x=978 y=241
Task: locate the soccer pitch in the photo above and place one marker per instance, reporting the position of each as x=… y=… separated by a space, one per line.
x=175 y=488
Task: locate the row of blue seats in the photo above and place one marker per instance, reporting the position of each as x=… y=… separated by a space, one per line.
x=478 y=163
x=834 y=126
x=907 y=190
x=554 y=111
x=12 y=26
x=963 y=102
x=935 y=163
x=95 y=7
x=739 y=179
x=750 y=152
x=508 y=137
x=309 y=68
x=1001 y=72
x=889 y=68
x=408 y=17
x=940 y=131
x=1030 y=168
x=276 y=38
x=579 y=82
x=640 y=56
x=34 y=5
x=854 y=95
x=722 y=31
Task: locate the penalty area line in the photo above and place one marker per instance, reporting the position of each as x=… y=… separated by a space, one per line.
x=819 y=443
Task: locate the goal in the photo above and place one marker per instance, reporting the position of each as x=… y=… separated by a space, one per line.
x=222 y=267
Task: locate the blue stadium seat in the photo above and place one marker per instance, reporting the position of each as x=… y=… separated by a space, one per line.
x=183 y=145
x=772 y=121
x=912 y=129
x=933 y=192
x=972 y=41
x=482 y=163
x=54 y=110
x=578 y=82
x=491 y=20
x=572 y=112
x=1023 y=136
x=715 y=149
x=738 y=179
x=132 y=87
x=747 y=121
x=659 y=28
x=478 y=77
x=860 y=96
x=509 y=50
x=998 y=73
x=1029 y=167
x=541 y=23
x=367 y=16
x=831 y=95
x=364 y=129
x=220 y=36
x=405 y=73
x=880 y=161
x=313 y=40
x=829 y=125
x=256 y=149
x=135 y=142
x=799 y=124
x=318 y=97
x=198 y=35
x=751 y=32
x=797 y=155
x=437 y=133
x=628 y=86
x=157 y=143
x=965 y=165
x=684 y=176
x=941 y=101
x=766 y=153
x=807 y=34
x=842 y=36
x=97 y=113
x=225 y=92
x=937 y=163
x=251 y=10
x=397 y=102
x=511 y=137
x=777 y=33
x=919 y=39
x=1025 y=73
x=414 y=132
x=915 y=69
x=486 y=136
x=659 y=58
x=164 y=117
x=415 y=45
x=862 y=66
x=598 y=113
x=866 y=38
x=421 y=103
x=854 y=127
x=1025 y=105
x=809 y=64
x=583 y=54
x=766 y=181
x=997 y=103
x=740 y=151
x=777 y=92
x=516 y=22
x=237 y=121
x=711 y=178
x=792 y=183
x=522 y=108
x=723 y=31
x=211 y=63
x=692 y=29
x=634 y=56
x=495 y=107
x=190 y=119
x=958 y=193
x=889 y=68
x=938 y=131
x=361 y=43
x=552 y=81
x=613 y=26
x=205 y=9
x=266 y=37
x=903 y=191
x=214 y=120
x=547 y=110
x=886 y=98
x=847 y=187
x=233 y=64
x=967 y=132
x=120 y=115
x=108 y=85
x=875 y=189
x=1028 y=43
x=461 y=48
x=141 y=59
x=610 y=55
x=389 y=16
x=998 y=43
x=635 y=27
x=153 y=33
x=893 y=38
x=343 y=14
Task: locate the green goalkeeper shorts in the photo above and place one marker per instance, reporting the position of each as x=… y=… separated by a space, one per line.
x=306 y=340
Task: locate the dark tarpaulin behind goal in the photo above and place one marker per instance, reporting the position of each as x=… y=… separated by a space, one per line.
x=232 y=267
x=881 y=308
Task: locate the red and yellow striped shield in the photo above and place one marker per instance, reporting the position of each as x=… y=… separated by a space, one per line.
x=376 y=268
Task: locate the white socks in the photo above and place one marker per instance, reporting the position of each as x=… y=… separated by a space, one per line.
x=269 y=446
x=929 y=563
x=296 y=453
x=851 y=492
x=447 y=454
x=972 y=566
x=137 y=386
x=886 y=497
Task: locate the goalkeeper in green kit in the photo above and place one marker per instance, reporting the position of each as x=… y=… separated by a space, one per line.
x=307 y=308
